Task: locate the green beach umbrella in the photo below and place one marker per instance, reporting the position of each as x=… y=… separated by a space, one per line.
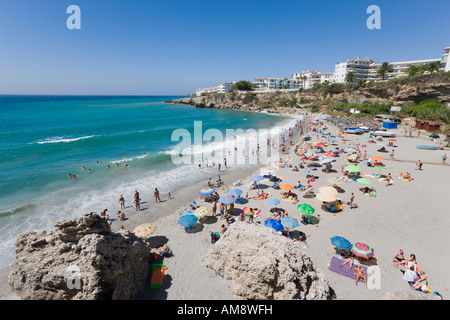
x=352 y=168
x=364 y=181
x=305 y=209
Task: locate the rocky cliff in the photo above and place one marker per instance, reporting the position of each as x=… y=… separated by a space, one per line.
x=397 y=92
x=80 y=260
x=261 y=264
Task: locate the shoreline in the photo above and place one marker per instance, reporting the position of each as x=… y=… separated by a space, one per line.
x=167 y=209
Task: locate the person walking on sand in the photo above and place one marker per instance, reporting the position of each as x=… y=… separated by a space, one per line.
x=169 y=196
x=156 y=195
x=122 y=202
x=419 y=165
x=137 y=201
x=218 y=166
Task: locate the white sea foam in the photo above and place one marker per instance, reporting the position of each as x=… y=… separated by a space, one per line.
x=61 y=139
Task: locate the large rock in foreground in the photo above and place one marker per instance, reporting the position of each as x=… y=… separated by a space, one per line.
x=261 y=264
x=80 y=259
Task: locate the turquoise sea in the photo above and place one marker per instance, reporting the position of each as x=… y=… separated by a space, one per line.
x=43 y=139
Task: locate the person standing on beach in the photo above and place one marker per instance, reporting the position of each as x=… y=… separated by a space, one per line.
x=218 y=166
x=444 y=158
x=122 y=202
x=156 y=194
x=169 y=196
x=225 y=162
x=137 y=200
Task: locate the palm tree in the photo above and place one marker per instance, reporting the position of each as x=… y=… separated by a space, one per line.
x=413 y=71
x=434 y=66
x=384 y=69
x=351 y=76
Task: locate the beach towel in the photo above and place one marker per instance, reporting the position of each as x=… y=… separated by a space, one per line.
x=335 y=266
x=159 y=272
x=247 y=210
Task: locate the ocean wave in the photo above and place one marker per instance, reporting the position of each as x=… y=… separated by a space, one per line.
x=10 y=211
x=64 y=140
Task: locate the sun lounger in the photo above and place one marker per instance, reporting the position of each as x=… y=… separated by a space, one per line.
x=159 y=272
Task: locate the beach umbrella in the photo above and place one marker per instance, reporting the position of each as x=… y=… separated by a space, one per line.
x=227 y=200
x=257 y=178
x=286 y=187
x=378 y=158
x=272 y=201
x=144 y=230
x=392 y=140
x=326 y=161
x=327 y=197
x=205 y=191
x=335 y=180
x=289 y=222
x=328 y=189
x=201 y=212
x=235 y=192
x=364 y=181
x=187 y=220
x=187 y=212
x=274 y=224
x=352 y=169
x=320 y=144
x=305 y=209
x=362 y=250
x=352 y=156
x=341 y=243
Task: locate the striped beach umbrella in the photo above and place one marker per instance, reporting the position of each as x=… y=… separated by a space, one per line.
x=364 y=181
x=257 y=178
x=206 y=191
x=201 y=212
x=341 y=243
x=227 y=200
x=289 y=222
x=305 y=209
x=272 y=201
x=362 y=250
x=335 y=180
x=188 y=220
x=144 y=230
x=235 y=192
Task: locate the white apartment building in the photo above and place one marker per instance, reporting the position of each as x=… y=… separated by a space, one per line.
x=446 y=59
x=225 y=86
x=364 y=68
x=199 y=92
x=276 y=84
x=401 y=69
x=308 y=78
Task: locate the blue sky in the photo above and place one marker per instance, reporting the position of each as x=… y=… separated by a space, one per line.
x=173 y=47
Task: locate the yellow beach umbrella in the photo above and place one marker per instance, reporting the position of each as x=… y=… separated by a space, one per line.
x=144 y=230
x=201 y=212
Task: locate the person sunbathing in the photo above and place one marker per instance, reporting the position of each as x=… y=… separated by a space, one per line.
x=360 y=274
x=399 y=258
x=421 y=281
x=295 y=169
x=350 y=260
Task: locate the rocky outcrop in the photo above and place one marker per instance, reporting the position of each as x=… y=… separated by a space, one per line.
x=259 y=263
x=397 y=92
x=80 y=260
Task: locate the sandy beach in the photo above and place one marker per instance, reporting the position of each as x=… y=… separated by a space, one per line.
x=404 y=215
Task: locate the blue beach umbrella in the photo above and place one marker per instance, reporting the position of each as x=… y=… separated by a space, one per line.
x=257 y=178
x=187 y=212
x=289 y=222
x=188 y=220
x=227 y=200
x=272 y=201
x=341 y=243
x=235 y=192
x=274 y=224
